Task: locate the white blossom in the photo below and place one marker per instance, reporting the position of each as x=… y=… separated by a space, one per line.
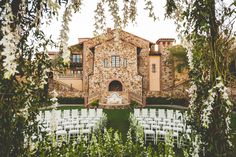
x=219 y=87
x=54 y=99
x=193 y=95
x=64 y=34
x=44 y=76
x=189 y=46
x=53 y=114
x=9 y=41
x=196 y=146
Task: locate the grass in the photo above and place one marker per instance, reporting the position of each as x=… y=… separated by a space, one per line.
x=118 y=120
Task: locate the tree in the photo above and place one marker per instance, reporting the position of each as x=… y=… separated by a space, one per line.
x=206 y=27
x=179 y=54
x=25 y=64
x=233 y=62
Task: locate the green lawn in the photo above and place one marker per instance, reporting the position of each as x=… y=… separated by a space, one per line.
x=118 y=120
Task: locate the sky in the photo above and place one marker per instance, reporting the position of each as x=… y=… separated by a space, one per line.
x=82 y=24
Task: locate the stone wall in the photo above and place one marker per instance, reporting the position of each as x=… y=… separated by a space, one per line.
x=102 y=76
x=133 y=78
x=167 y=71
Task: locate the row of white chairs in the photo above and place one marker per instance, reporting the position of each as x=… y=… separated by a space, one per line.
x=160 y=113
x=157 y=124
x=66 y=126
x=68 y=114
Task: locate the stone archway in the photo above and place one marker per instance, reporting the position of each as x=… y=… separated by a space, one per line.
x=115 y=86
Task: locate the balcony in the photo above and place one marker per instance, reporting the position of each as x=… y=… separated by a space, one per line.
x=78 y=75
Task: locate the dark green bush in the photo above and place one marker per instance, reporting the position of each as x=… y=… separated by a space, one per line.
x=167 y=101
x=95 y=103
x=70 y=100
x=134 y=104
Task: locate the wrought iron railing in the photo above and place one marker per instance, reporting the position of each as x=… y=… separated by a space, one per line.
x=93 y=97
x=136 y=97
x=78 y=75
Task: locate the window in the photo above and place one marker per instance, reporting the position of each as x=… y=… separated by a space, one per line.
x=125 y=62
x=153 y=68
x=105 y=63
x=115 y=86
x=115 y=61
x=75 y=58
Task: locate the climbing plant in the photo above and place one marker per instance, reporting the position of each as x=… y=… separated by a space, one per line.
x=25 y=64
x=206 y=27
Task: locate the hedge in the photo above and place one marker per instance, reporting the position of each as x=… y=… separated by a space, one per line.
x=166 y=101
x=70 y=100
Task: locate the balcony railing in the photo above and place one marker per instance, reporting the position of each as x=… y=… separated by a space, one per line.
x=78 y=75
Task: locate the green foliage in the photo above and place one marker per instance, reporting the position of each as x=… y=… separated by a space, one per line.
x=207 y=29
x=70 y=100
x=24 y=91
x=179 y=54
x=95 y=103
x=134 y=104
x=102 y=143
x=167 y=101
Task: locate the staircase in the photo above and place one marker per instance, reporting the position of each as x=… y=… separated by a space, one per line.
x=93 y=98
x=136 y=97
x=60 y=86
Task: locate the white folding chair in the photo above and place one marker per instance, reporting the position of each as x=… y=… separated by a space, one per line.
x=91 y=113
x=144 y=112
x=136 y=112
x=74 y=113
x=47 y=116
x=149 y=135
x=61 y=135
x=66 y=114
x=161 y=113
x=99 y=112
x=84 y=113
x=160 y=135
x=58 y=114
x=152 y=113
x=73 y=134
x=170 y=114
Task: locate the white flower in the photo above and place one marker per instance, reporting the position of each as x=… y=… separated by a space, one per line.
x=196 y=146
x=54 y=99
x=9 y=41
x=64 y=34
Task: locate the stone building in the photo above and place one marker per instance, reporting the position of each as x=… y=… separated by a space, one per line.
x=117 y=69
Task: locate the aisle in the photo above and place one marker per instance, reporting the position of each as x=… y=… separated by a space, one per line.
x=118 y=119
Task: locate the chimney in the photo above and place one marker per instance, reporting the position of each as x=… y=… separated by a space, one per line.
x=152 y=48
x=164 y=43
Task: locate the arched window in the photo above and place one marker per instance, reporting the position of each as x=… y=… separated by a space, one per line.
x=115 y=86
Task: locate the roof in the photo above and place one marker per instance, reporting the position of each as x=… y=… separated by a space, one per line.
x=109 y=35
x=81 y=40
x=165 y=39
x=77 y=47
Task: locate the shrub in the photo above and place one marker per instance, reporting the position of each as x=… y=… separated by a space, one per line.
x=134 y=104
x=95 y=103
x=70 y=100
x=167 y=100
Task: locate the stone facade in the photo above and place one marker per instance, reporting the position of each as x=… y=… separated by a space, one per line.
x=123 y=67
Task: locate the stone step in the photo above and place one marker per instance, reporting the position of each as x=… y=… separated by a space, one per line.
x=112 y=106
